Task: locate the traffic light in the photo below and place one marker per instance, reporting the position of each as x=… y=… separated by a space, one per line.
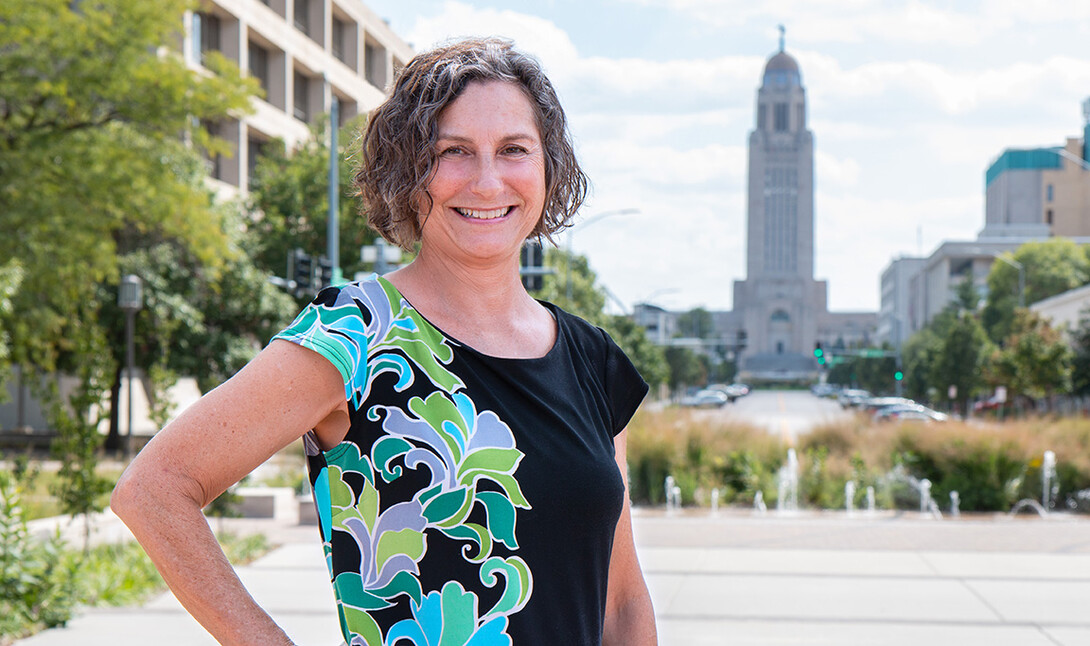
x=302 y=270
x=532 y=258
x=898 y=375
x=819 y=353
x=325 y=272
x=743 y=339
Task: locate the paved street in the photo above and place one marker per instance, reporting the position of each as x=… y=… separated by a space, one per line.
x=743 y=579
x=787 y=413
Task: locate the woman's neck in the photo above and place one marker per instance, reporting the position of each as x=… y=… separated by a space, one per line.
x=483 y=306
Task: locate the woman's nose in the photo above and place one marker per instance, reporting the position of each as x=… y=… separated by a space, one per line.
x=489 y=178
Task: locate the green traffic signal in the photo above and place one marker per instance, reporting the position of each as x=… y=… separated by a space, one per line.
x=898 y=375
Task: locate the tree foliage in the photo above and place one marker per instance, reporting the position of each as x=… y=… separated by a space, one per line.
x=90 y=118
x=288 y=207
x=1051 y=267
x=1080 y=361
x=697 y=323
x=1035 y=360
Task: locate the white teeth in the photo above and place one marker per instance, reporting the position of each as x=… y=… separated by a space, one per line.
x=484 y=215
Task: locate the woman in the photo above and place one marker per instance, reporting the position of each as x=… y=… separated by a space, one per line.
x=464 y=441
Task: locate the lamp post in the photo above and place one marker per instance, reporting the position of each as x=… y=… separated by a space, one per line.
x=590 y=220
x=130 y=299
x=1021 y=276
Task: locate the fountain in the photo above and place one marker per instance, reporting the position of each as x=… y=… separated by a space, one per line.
x=923 y=487
x=955 y=504
x=759 y=505
x=715 y=500
x=1048 y=474
x=849 y=496
x=787 y=480
x=669 y=487
x=870 y=500
x=1049 y=488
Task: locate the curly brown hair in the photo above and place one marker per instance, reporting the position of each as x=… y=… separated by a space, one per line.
x=399 y=146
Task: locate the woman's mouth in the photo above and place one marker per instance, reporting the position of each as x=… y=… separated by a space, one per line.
x=492 y=214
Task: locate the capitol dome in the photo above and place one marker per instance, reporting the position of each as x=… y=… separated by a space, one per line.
x=782 y=70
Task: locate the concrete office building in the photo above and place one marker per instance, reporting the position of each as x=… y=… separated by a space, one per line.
x=304 y=53
x=1040 y=192
x=1030 y=195
x=895 y=315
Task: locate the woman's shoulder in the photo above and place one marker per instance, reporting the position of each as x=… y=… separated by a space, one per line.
x=578 y=328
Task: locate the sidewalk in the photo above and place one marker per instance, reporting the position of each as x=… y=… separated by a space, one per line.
x=736 y=578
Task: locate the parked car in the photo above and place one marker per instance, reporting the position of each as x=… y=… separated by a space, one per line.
x=732 y=391
x=824 y=390
x=909 y=411
x=876 y=403
x=706 y=398
x=851 y=397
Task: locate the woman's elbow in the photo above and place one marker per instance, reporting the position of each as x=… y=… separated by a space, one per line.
x=124 y=500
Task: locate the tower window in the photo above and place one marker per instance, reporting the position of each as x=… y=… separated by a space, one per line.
x=1048 y=216
x=762 y=119
x=780 y=117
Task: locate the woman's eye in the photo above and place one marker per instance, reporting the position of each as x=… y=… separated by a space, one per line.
x=514 y=150
x=452 y=151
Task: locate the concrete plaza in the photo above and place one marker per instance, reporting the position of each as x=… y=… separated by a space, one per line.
x=739 y=578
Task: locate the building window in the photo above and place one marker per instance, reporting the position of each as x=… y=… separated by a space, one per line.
x=762 y=118
x=301 y=94
x=375 y=59
x=780 y=117
x=259 y=65
x=1048 y=216
x=1048 y=191
x=255 y=149
x=214 y=163
x=339 y=29
x=302 y=16
x=206 y=35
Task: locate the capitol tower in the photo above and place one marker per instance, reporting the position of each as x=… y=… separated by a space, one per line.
x=779 y=304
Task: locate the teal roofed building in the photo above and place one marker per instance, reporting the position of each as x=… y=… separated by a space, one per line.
x=1040 y=192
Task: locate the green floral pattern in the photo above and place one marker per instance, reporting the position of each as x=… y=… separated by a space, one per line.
x=469 y=456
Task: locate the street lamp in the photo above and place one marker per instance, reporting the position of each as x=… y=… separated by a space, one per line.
x=130 y=299
x=590 y=220
x=1021 y=276
x=1013 y=263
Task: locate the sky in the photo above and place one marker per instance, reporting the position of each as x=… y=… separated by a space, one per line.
x=908 y=101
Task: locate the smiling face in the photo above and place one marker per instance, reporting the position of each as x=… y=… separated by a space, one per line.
x=488 y=190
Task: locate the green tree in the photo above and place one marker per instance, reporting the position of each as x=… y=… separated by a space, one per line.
x=919 y=353
x=1051 y=267
x=697 y=323
x=685 y=366
x=1080 y=362
x=961 y=358
x=11 y=275
x=90 y=157
x=1035 y=360
x=288 y=207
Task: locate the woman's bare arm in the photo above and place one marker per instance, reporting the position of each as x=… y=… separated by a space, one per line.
x=284 y=392
x=630 y=618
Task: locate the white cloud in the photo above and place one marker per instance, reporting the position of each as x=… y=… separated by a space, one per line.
x=909 y=102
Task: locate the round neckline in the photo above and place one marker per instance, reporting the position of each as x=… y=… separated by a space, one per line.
x=549 y=307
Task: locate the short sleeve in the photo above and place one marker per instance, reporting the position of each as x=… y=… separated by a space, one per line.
x=625 y=388
x=333 y=325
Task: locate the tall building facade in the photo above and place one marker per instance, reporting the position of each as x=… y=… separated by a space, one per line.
x=1030 y=194
x=304 y=53
x=780 y=305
